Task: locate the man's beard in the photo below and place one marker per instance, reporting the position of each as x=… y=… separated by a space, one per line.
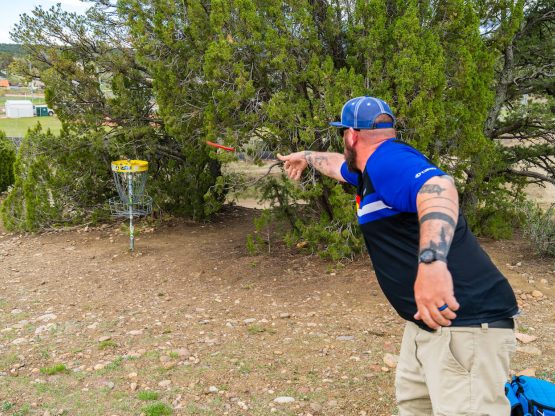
x=351 y=158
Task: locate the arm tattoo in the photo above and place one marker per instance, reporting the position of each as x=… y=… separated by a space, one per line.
x=315 y=160
x=436 y=206
x=444 y=243
x=431 y=189
x=438 y=216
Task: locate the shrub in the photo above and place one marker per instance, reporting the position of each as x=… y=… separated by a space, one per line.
x=539 y=226
x=7 y=160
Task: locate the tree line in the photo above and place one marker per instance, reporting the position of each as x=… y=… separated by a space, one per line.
x=471 y=84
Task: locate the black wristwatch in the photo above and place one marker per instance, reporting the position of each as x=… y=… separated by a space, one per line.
x=429 y=255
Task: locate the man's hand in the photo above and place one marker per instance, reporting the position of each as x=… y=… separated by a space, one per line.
x=434 y=288
x=327 y=163
x=295 y=164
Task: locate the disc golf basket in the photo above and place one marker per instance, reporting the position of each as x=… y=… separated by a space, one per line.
x=130 y=178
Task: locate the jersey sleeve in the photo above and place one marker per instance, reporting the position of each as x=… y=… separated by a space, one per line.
x=399 y=174
x=350 y=177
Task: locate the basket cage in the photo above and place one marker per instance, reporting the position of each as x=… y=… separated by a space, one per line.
x=130 y=179
x=126 y=181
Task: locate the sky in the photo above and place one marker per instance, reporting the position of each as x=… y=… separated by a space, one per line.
x=11 y=9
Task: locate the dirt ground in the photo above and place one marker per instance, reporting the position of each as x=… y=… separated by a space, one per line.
x=192 y=324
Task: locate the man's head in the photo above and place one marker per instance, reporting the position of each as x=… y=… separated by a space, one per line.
x=364 y=120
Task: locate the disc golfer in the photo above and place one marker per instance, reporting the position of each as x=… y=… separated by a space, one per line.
x=459 y=336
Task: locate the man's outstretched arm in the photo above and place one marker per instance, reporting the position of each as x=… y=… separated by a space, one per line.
x=437 y=204
x=327 y=163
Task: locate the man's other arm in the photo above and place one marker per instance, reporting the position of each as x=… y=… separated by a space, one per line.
x=437 y=204
x=327 y=163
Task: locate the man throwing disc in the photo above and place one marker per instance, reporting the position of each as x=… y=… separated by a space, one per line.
x=459 y=336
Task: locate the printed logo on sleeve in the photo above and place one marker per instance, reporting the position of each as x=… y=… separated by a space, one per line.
x=419 y=174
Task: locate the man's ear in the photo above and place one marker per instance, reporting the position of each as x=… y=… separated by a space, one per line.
x=354 y=137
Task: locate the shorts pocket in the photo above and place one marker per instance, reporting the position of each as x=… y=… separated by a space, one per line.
x=454 y=375
x=459 y=351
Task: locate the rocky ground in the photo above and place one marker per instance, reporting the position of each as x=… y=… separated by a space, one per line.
x=190 y=324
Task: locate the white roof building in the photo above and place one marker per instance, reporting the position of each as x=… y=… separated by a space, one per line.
x=19 y=108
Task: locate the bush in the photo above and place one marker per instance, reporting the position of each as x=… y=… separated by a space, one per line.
x=7 y=159
x=539 y=226
x=53 y=186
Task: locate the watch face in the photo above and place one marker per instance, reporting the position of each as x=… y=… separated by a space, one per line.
x=427 y=256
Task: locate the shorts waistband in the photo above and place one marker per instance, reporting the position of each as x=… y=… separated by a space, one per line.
x=507 y=323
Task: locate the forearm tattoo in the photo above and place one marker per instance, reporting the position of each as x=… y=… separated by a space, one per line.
x=438 y=213
x=445 y=240
x=316 y=159
x=438 y=216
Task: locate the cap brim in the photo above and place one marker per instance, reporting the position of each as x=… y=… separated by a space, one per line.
x=337 y=124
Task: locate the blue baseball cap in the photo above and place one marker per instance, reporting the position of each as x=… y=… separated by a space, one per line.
x=361 y=113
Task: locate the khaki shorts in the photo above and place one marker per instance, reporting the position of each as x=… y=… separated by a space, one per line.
x=454 y=371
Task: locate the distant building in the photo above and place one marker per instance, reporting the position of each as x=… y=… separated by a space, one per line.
x=4 y=83
x=19 y=108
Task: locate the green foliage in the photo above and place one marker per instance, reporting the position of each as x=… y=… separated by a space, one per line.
x=539 y=226
x=157 y=409
x=103 y=345
x=147 y=395
x=155 y=79
x=46 y=195
x=6 y=406
x=105 y=99
x=7 y=160
x=55 y=369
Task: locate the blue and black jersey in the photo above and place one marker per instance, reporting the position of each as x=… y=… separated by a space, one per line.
x=387 y=215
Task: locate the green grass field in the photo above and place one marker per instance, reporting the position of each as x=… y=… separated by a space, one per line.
x=17 y=127
x=35 y=100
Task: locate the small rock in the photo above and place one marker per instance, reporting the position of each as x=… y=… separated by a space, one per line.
x=132 y=375
x=249 y=321
x=16 y=311
x=183 y=353
x=530 y=372
x=390 y=360
x=528 y=349
x=213 y=389
x=525 y=338
x=19 y=341
x=316 y=407
x=104 y=338
x=284 y=400
x=98 y=367
x=345 y=338
x=47 y=317
x=332 y=403
x=543 y=281
x=44 y=328
x=134 y=386
x=284 y=315
x=165 y=383
x=537 y=294
x=110 y=385
x=136 y=332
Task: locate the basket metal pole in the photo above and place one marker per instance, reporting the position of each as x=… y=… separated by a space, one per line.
x=131 y=230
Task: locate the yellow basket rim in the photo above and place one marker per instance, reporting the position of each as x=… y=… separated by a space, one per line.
x=130 y=166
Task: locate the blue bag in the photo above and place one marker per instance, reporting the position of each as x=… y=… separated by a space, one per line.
x=531 y=396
